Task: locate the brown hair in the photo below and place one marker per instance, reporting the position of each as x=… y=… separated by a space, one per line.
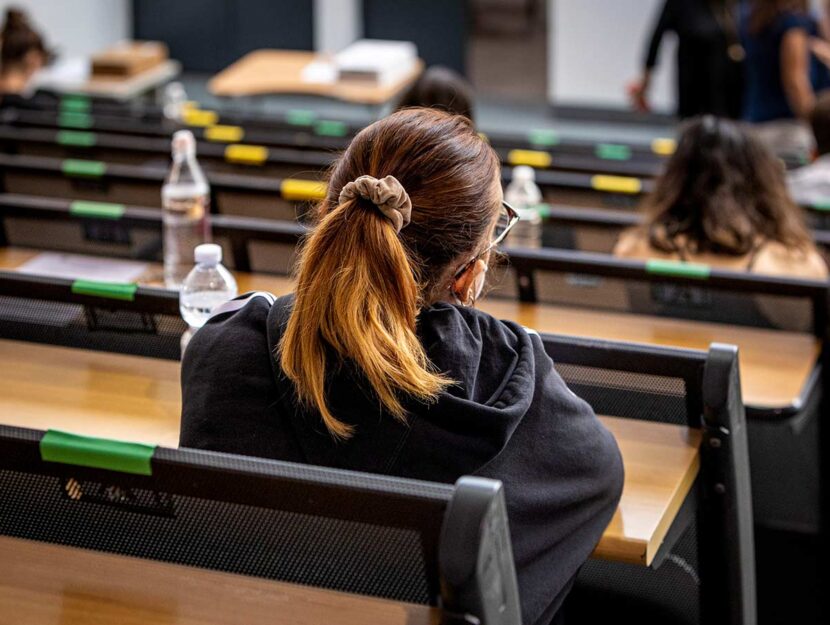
x=764 y=12
x=820 y=123
x=440 y=87
x=722 y=192
x=360 y=285
x=18 y=39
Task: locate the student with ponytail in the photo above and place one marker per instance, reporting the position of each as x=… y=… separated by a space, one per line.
x=22 y=53
x=380 y=361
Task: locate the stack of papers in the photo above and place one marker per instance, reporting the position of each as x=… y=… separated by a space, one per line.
x=377 y=62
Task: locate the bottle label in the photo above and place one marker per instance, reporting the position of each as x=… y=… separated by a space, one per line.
x=191 y=208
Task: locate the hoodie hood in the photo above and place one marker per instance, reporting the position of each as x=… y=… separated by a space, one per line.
x=492 y=365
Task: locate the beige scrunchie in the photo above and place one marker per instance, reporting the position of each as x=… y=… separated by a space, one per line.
x=387 y=194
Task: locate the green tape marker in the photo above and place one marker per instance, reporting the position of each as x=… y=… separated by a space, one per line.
x=329 y=128
x=544 y=210
x=111 y=290
x=300 y=117
x=823 y=206
x=613 y=152
x=71 y=119
x=678 y=269
x=96 y=210
x=75 y=103
x=83 y=169
x=98 y=453
x=76 y=138
x=543 y=138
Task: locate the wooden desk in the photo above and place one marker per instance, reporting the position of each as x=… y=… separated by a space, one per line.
x=775 y=365
x=264 y=72
x=44 y=584
x=138 y=399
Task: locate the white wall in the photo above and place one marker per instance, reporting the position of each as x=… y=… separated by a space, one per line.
x=78 y=27
x=337 y=23
x=596 y=48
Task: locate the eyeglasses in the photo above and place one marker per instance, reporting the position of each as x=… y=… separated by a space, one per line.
x=508 y=217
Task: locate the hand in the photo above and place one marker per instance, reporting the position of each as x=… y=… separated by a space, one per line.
x=821 y=49
x=637 y=93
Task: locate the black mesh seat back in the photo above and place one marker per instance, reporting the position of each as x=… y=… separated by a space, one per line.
x=696 y=303
x=647 y=384
x=108 y=327
x=349 y=532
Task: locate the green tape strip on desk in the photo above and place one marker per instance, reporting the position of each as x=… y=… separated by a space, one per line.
x=98 y=453
x=543 y=138
x=96 y=210
x=678 y=269
x=71 y=119
x=613 y=152
x=83 y=169
x=111 y=290
x=76 y=138
x=330 y=128
x=75 y=103
x=823 y=206
x=300 y=117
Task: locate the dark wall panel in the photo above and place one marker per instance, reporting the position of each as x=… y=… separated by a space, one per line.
x=437 y=27
x=209 y=35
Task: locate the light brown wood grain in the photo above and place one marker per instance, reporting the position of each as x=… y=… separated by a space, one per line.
x=661 y=463
x=44 y=584
x=280 y=71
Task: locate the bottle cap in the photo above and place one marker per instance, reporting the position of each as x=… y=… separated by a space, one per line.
x=184 y=143
x=523 y=173
x=208 y=254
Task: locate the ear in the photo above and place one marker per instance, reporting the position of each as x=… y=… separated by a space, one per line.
x=463 y=286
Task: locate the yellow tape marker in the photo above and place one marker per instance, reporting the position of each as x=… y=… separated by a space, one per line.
x=293 y=189
x=246 y=154
x=616 y=184
x=534 y=158
x=197 y=117
x=224 y=134
x=664 y=147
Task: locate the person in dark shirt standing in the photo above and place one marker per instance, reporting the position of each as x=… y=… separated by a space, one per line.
x=709 y=58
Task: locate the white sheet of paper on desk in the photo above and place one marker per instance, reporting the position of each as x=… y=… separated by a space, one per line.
x=78 y=267
x=321 y=72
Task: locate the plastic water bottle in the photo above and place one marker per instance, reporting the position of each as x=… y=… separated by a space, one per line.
x=185 y=200
x=174 y=98
x=207 y=286
x=523 y=194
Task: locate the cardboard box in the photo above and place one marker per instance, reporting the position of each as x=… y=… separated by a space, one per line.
x=128 y=58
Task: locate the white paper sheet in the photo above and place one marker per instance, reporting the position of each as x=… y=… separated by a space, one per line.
x=78 y=267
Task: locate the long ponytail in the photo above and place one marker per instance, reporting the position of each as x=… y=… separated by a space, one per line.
x=357 y=293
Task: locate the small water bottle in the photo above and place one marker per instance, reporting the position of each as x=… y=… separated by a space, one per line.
x=174 y=99
x=523 y=194
x=185 y=201
x=207 y=286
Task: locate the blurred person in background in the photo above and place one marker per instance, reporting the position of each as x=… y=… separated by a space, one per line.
x=442 y=88
x=22 y=53
x=709 y=58
x=722 y=201
x=810 y=185
x=782 y=74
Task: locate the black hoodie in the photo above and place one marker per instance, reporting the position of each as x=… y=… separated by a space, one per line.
x=510 y=417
